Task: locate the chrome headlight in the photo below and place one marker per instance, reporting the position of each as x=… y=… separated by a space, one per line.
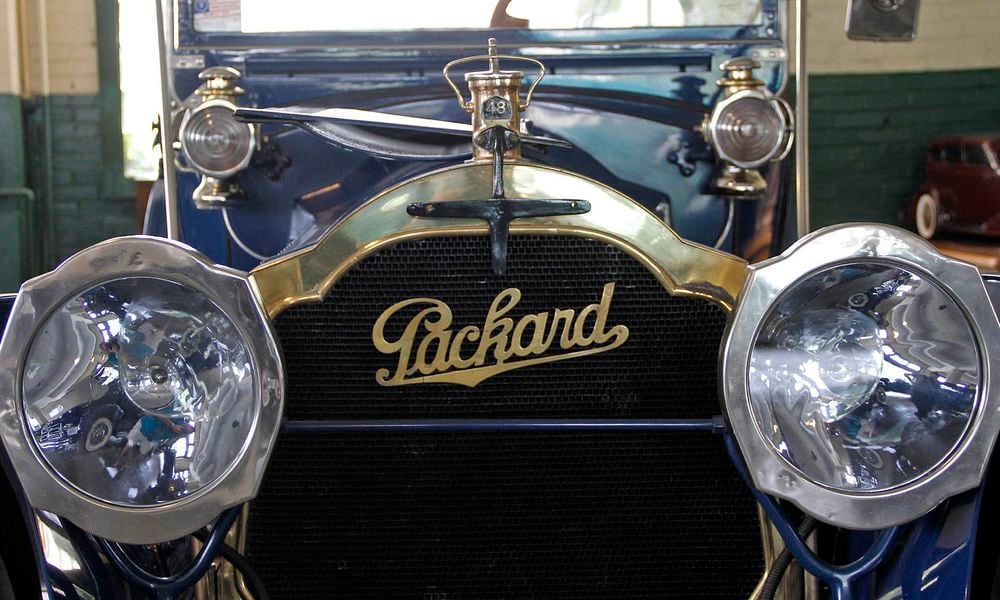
x=143 y=390
x=857 y=376
x=750 y=128
x=213 y=141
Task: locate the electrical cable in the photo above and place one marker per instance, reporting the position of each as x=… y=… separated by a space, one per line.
x=731 y=205
x=784 y=558
x=168 y=588
x=250 y=577
x=236 y=238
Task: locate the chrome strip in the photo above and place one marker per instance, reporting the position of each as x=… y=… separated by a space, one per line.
x=801 y=123
x=166 y=130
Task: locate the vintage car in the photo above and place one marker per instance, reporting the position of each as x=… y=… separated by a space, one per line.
x=390 y=336
x=961 y=189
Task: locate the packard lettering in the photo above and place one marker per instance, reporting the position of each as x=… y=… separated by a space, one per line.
x=429 y=351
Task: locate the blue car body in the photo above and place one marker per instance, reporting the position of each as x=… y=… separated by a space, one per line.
x=628 y=101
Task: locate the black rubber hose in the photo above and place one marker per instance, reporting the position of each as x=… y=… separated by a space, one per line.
x=250 y=577
x=780 y=564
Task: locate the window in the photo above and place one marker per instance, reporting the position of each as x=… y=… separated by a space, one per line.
x=952 y=153
x=976 y=155
x=400 y=15
x=138 y=58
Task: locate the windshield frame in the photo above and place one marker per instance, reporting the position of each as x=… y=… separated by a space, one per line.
x=770 y=28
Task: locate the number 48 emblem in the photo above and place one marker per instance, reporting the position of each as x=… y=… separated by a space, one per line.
x=496 y=108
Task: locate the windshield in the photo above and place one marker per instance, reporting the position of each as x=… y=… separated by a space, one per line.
x=267 y=16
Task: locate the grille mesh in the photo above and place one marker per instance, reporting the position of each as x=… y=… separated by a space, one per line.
x=444 y=516
x=667 y=368
x=505 y=515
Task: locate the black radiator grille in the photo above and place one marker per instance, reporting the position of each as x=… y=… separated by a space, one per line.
x=447 y=516
x=666 y=369
x=504 y=515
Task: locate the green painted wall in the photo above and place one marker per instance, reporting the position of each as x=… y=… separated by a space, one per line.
x=11 y=142
x=16 y=199
x=868 y=134
x=84 y=208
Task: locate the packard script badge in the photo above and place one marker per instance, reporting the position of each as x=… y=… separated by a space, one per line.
x=430 y=352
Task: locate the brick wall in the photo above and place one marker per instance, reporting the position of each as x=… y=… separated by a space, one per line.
x=81 y=213
x=15 y=197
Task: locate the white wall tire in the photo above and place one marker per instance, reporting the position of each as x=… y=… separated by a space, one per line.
x=928 y=214
x=98 y=434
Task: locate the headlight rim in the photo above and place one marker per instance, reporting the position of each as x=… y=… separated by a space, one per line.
x=122 y=258
x=767 y=282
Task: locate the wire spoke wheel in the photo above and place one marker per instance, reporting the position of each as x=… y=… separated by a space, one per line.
x=98 y=434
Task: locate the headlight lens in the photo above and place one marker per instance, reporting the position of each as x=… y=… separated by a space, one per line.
x=149 y=380
x=857 y=376
x=864 y=377
x=750 y=128
x=142 y=390
x=213 y=141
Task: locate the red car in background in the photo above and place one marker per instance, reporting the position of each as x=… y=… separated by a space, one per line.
x=961 y=189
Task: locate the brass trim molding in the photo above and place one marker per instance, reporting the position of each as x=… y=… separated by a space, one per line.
x=684 y=268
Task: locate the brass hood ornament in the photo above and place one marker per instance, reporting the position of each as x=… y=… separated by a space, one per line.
x=495 y=97
x=496 y=108
x=429 y=351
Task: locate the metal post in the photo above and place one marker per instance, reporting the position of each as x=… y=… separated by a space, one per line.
x=166 y=129
x=801 y=123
